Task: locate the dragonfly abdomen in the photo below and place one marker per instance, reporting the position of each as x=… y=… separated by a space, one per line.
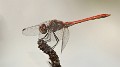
x=87 y=19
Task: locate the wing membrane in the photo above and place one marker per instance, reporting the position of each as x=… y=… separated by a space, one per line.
x=31 y=31
x=65 y=38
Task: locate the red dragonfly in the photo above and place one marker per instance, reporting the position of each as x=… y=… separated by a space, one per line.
x=56 y=29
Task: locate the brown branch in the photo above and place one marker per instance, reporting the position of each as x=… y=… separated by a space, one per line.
x=55 y=62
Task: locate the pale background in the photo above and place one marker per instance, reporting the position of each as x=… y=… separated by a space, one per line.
x=91 y=44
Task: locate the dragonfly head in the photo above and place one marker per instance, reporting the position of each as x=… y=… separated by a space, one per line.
x=43 y=29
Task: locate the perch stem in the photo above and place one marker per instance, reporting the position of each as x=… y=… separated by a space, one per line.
x=55 y=62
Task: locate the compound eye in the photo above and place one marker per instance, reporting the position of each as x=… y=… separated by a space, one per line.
x=43 y=29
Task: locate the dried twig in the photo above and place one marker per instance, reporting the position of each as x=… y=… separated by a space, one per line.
x=55 y=62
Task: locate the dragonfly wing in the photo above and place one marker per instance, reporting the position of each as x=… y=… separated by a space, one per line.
x=65 y=38
x=31 y=31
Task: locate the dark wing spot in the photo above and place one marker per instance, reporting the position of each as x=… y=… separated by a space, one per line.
x=23 y=29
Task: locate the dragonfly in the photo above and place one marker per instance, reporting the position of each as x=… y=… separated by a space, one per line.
x=56 y=30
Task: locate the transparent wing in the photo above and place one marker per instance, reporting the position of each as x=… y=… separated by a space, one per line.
x=31 y=31
x=65 y=38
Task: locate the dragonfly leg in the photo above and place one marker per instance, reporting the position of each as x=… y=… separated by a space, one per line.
x=47 y=37
x=56 y=40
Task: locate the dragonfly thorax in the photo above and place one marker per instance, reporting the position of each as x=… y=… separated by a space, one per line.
x=55 y=25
